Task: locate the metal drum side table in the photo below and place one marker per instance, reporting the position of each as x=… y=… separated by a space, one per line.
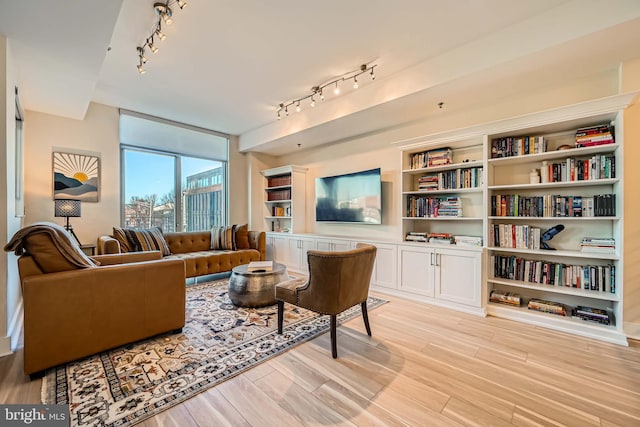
x=255 y=288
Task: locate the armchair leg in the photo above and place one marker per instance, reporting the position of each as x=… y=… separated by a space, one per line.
x=334 y=346
x=280 y=315
x=365 y=317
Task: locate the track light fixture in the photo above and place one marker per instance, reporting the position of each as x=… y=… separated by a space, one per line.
x=319 y=89
x=164 y=12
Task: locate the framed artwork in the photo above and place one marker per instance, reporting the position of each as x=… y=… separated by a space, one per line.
x=76 y=176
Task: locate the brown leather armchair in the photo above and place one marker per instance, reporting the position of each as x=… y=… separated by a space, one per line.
x=337 y=281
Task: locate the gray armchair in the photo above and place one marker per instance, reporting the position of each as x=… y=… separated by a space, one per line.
x=336 y=282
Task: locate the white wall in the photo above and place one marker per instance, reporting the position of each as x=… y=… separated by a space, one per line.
x=376 y=150
x=97 y=132
x=10 y=297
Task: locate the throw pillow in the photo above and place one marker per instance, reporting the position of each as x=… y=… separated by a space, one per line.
x=121 y=237
x=222 y=238
x=141 y=239
x=242 y=237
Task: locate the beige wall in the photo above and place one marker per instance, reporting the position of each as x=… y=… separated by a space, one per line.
x=96 y=133
x=238 y=182
x=630 y=81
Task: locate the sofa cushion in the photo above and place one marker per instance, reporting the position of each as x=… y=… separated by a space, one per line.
x=222 y=238
x=141 y=239
x=210 y=262
x=242 y=237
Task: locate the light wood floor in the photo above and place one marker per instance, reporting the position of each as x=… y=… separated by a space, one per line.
x=424 y=366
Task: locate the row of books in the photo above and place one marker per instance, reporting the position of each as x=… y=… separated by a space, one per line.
x=592 y=314
x=551 y=205
x=433 y=207
x=514 y=236
x=517 y=146
x=598 y=245
x=279 y=181
x=443 y=238
x=280 y=211
x=276 y=195
x=596 y=167
x=449 y=180
x=594 y=135
x=431 y=158
x=600 y=278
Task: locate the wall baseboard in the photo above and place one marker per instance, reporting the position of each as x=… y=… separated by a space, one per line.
x=5 y=346
x=16 y=325
x=632 y=330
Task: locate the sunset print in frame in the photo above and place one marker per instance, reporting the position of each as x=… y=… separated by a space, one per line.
x=76 y=176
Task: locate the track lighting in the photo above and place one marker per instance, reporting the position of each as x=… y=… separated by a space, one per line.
x=164 y=12
x=319 y=89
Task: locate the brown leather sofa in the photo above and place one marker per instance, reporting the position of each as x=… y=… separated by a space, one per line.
x=78 y=312
x=193 y=247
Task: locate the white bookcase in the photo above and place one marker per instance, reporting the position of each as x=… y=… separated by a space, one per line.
x=284 y=199
x=510 y=176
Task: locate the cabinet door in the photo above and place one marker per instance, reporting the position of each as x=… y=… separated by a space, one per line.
x=280 y=250
x=459 y=276
x=324 y=245
x=341 y=245
x=416 y=270
x=384 y=270
x=298 y=248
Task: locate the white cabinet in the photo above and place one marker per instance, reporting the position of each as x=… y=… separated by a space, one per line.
x=458 y=276
x=384 y=270
x=415 y=267
x=333 y=245
x=277 y=248
x=449 y=277
x=297 y=254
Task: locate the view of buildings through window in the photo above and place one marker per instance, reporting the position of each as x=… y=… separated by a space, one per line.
x=150 y=188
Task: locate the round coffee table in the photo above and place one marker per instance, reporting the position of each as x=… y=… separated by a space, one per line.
x=255 y=288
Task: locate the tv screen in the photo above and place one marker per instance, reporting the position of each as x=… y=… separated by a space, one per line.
x=353 y=197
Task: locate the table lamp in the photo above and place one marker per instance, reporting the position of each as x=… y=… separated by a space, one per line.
x=67 y=208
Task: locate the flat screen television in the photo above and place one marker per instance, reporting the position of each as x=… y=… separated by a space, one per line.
x=354 y=197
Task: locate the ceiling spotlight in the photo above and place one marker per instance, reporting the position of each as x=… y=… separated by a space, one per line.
x=160 y=34
x=321 y=95
x=279 y=115
x=313 y=102
x=181 y=4
x=373 y=76
x=286 y=111
x=298 y=109
x=164 y=11
x=337 y=89
x=153 y=47
x=141 y=54
x=355 y=83
x=141 y=70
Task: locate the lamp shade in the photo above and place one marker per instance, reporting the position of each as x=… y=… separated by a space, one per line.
x=67 y=208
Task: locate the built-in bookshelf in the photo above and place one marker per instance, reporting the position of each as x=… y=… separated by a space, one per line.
x=551 y=178
x=539 y=180
x=284 y=199
x=443 y=187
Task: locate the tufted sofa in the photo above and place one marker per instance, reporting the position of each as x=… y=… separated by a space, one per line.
x=193 y=247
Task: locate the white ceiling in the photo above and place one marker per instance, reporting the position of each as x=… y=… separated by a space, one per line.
x=226 y=64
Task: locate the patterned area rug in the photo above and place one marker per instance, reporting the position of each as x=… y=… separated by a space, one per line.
x=124 y=386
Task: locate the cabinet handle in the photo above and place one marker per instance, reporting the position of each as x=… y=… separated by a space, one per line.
x=431 y=258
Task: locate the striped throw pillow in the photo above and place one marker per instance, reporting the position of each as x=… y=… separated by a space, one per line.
x=223 y=238
x=140 y=239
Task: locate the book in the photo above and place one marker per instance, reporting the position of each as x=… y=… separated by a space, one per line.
x=257 y=266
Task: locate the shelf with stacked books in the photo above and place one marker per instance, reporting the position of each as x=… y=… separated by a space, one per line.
x=443 y=187
x=284 y=199
x=554 y=213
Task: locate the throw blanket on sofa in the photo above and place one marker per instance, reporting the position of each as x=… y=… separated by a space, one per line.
x=61 y=240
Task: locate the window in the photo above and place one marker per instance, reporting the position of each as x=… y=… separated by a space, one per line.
x=152 y=175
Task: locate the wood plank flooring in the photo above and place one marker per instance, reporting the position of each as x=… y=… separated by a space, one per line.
x=424 y=366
